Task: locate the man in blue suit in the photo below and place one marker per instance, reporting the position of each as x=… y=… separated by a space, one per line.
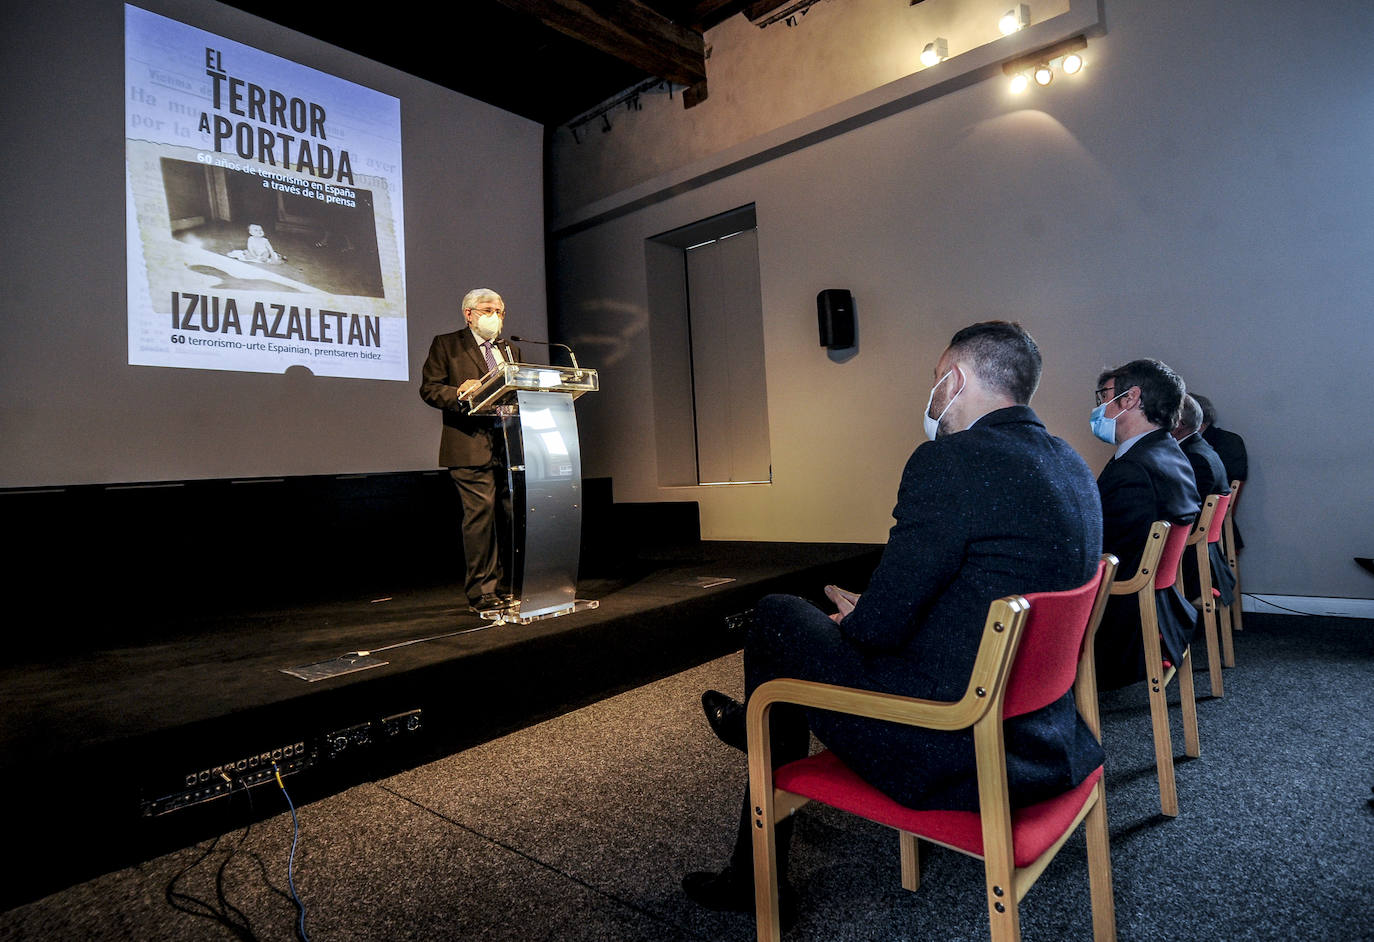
x=1147 y=479
x=992 y=506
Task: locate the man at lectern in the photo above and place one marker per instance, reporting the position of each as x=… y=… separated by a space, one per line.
x=473 y=447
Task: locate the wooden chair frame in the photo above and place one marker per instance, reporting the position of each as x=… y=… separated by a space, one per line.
x=1142 y=585
x=980 y=708
x=1229 y=615
x=1197 y=540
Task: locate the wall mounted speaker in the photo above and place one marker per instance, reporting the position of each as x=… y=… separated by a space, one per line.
x=835 y=316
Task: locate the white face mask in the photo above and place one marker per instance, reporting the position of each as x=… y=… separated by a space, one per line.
x=932 y=426
x=488 y=326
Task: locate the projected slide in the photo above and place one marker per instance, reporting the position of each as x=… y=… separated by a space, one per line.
x=264 y=210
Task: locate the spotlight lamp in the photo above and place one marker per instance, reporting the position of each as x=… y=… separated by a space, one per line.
x=1042 y=64
x=934 y=53
x=1018 y=17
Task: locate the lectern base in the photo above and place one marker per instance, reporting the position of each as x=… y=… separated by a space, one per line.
x=510 y=613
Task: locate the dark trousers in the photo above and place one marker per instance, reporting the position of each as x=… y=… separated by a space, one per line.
x=484 y=508
x=789 y=638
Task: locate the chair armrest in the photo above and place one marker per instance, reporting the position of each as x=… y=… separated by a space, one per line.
x=911 y=711
x=1149 y=561
x=987 y=682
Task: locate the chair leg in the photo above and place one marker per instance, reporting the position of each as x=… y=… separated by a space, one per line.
x=762 y=798
x=1191 y=744
x=1004 y=914
x=1164 y=745
x=1208 y=604
x=1100 y=869
x=911 y=860
x=1225 y=615
x=1209 y=623
x=768 y=922
x=1159 y=703
x=1236 y=607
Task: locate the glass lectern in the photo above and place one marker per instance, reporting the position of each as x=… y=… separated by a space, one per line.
x=534 y=406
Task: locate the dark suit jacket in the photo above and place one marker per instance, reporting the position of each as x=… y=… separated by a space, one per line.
x=1152 y=481
x=1231 y=448
x=453 y=359
x=1208 y=471
x=1211 y=478
x=1002 y=508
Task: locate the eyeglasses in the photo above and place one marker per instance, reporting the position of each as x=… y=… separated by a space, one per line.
x=498 y=311
x=1105 y=394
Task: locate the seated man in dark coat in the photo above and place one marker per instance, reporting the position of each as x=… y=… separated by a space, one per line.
x=994 y=505
x=1148 y=479
x=1230 y=447
x=1210 y=475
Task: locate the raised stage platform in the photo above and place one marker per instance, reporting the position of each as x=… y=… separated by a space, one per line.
x=111 y=752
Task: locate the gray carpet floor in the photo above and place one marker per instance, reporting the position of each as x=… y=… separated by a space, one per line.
x=580 y=828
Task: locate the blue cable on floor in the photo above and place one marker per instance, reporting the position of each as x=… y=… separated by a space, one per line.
x=291 y=859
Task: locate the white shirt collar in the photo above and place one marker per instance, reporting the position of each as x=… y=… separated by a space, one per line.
x=1126 y=445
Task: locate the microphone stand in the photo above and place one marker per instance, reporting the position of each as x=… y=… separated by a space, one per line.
x=577 y=370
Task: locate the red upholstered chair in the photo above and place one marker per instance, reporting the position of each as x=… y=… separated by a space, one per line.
x=1220 y=519
x=1033 y=650
x=1159 y=570
x=1199 y=536
x=1229 y=615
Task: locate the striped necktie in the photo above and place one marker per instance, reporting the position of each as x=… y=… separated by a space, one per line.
x=487 y=355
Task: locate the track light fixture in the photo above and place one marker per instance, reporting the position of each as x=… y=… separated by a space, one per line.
x=1018 y=17
x=934 y=53
x=1041 y=64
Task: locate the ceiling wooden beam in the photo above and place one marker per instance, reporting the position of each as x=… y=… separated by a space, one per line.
x=707 y=13
x=758 y=9
x=627 y=30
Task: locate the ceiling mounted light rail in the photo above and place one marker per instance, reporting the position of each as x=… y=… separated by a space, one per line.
x=1042 y=64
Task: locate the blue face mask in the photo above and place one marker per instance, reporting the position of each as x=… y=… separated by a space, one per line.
x=1103 y=427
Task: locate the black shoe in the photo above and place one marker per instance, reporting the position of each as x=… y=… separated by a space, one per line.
x=728 y=892
x=726 y=716
x=487 y=603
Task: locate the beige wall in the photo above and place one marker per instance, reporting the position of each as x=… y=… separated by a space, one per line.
x=1189 y=197
x=763 y=79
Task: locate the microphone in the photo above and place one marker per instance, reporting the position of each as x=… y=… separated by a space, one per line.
x=577 y=370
